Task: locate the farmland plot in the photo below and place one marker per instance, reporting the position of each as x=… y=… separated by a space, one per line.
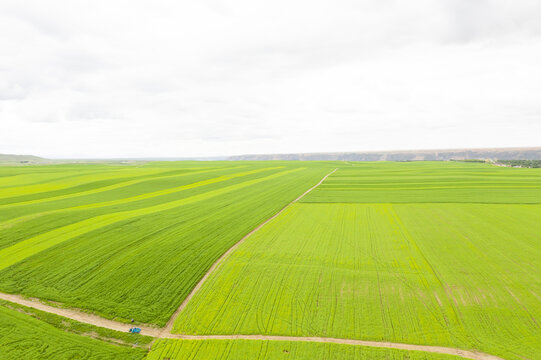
x=261 y=350
x=118 y=190
x=429 y=182
x=139 y=259
x=441 y=254
x=24 y=221
x=457 y=275
x=72 y=183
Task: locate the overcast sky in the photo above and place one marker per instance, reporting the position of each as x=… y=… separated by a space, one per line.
x=199 y=78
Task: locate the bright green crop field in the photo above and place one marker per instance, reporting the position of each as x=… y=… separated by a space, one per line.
x=263 y=350
x=427 y=253
x=105 y=249
x=462 y=274
x=429 y=182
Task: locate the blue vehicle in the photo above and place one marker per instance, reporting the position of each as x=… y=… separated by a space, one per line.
x=135 y=330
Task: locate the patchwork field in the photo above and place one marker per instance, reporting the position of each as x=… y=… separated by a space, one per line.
x=107 y=256
x=424 y=253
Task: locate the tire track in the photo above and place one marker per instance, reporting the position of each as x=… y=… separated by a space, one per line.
x=216 y=265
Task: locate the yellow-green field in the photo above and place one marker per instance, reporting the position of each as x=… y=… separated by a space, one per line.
x=462 y=276
x=429 y=182
x=259 y=350
x=133 y=248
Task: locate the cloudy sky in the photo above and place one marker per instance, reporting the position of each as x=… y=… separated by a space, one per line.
x=198 y=78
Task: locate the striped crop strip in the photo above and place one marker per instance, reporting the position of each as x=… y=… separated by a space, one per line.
x=36 y=244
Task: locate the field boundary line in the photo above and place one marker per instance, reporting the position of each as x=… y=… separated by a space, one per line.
x=169 y=326
x=467 y=354
x=159 y=333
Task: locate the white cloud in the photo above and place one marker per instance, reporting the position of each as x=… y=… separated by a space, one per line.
x=166 y=78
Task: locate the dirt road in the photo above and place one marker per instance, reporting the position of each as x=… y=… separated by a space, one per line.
x=160 y=333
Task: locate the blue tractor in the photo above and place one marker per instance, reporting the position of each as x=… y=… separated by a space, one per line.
x=135 y=330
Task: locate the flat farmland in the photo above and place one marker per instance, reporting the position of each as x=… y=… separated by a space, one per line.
x=463 y=275
x=132 y=255
x=377 y=261
x=23 y=219
x=429 y=182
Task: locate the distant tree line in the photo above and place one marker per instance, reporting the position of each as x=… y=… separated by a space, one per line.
x=521 y=163
x=469 y=160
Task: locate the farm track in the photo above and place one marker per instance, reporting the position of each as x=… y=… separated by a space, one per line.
x=165 y=332
x=162 y=334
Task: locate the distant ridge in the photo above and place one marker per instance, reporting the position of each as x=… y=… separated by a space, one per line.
x=523 y=153
x=532 y=153
x=22 y=159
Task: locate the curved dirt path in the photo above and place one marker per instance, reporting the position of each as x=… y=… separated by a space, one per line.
x=160 y=333
x=165 y=332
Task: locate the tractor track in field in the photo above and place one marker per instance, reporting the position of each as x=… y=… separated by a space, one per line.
x=217 y=263
x=165 y=332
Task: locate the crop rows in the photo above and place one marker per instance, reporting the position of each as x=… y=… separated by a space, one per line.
x=25 y=222
x=429 y=182
x=457 y=275
x=426 y=253
x=33 y=245
x=129 y=255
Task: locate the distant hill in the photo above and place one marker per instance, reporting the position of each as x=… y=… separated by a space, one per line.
x=22 y=159
x=533 y=153
x=11 y=159
x=408 y=155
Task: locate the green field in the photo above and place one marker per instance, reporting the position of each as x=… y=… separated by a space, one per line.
x=459 y=274
x=262 y=350
x=439 y=274
x=24 y=337
x=106 y=251
x=429 y=182
x=427 y=253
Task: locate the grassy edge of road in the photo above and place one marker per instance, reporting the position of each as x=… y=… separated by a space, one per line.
x=79 y=328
